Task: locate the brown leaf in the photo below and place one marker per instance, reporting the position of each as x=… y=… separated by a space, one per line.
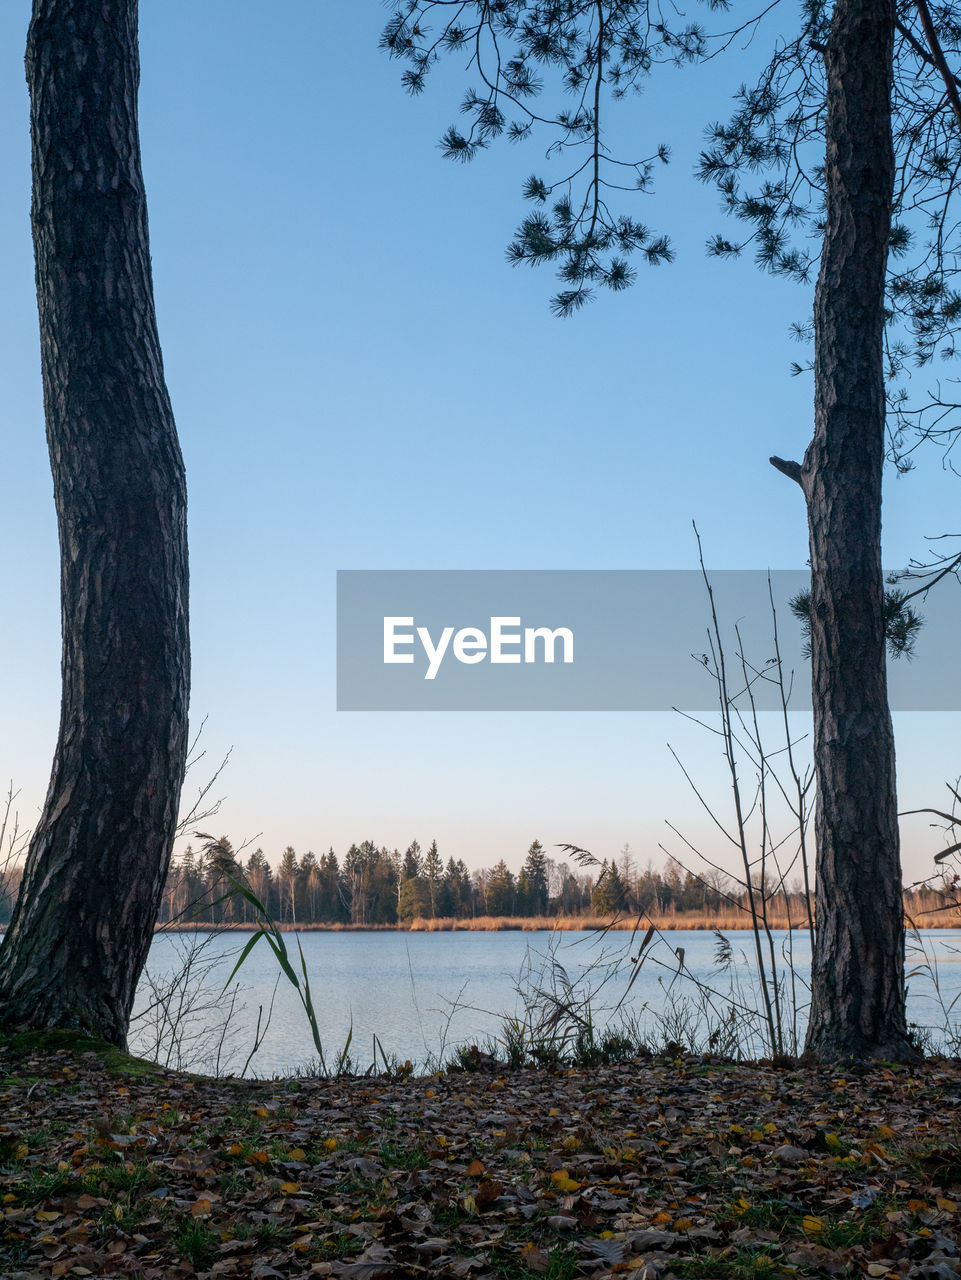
x=487 y=1193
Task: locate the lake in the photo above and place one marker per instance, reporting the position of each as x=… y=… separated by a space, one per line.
x=421 y=994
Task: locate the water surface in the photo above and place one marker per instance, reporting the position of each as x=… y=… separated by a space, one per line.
x=417 y=995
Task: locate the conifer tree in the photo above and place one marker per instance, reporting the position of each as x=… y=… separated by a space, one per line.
x=532 y=881
x=287 y=877
x=433 y=871
x=840 y=163
x=608 y=896
x=333 y=895
x=413 y=864
x=101 y=847
x=501 y=890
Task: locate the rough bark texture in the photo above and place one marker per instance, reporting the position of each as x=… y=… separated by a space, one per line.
x=95 y=871
x=858 y=976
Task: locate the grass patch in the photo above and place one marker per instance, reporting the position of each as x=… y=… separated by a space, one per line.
x=115 y=1061
x=195 y=1242
x=397 y=1157
x=745 y=1264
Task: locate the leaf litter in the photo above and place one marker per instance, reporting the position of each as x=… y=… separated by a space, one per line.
x=660 y=1168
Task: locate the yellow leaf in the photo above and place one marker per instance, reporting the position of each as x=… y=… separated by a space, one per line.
x=201 y=1208
x=289 y=1188
x=916 y=1206
x=235 y=1150
x=47 y=1215
x=9 y=1198
x=429 y=1093
x=563 y=1182
x=441 y=1140
x=770 y=1128
x=330 y=1144
x=683 y=1224
x=662 y=1216
x=811 y=1226
x=261 y=1111
x=553 y=1112
x=470 y=1204
x=736 y=1128
x=742 y=1205
x=298 y=1153
x=757 y=1135
x=118 y=1211
x=885 y=1131
x=607 y=1235
x=832 y=1140
x=257 y=1157
x=946 y=1206
x=22 y=1152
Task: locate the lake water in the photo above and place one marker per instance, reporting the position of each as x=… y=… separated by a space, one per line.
x=421 y=994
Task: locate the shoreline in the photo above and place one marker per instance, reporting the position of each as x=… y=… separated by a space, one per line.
x=507 y=924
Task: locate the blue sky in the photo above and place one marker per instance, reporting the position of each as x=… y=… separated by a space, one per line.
x=360 y=381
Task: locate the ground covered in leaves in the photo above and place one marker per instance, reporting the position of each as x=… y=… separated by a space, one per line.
x=656 y=1168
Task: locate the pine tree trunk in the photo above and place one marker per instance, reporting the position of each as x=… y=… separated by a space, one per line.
x=96 y=867
x=857 y=1007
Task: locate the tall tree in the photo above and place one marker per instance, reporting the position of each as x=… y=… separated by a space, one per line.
x=333 y=894
x=433 y=874
x=608 y=896
x=857 y=991
x=288 y=875
x=501 y=890
x=95 y=872
x=413 y=863
x=532 y=881
x=818 y=126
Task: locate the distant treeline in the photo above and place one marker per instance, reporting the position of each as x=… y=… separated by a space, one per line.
x=368 y=886
x=371 y=886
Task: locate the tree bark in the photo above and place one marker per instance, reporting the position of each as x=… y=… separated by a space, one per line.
x=857 y=1006
x=95 y=871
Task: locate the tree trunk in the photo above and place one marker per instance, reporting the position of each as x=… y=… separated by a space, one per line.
x=857 y=1005
x=96 y=867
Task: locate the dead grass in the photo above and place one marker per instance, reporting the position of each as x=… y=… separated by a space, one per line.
x=726 y=921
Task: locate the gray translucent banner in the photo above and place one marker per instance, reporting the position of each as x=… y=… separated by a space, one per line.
x=596 y=640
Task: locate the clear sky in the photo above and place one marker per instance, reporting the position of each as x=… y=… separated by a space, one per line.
x=360 y=381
